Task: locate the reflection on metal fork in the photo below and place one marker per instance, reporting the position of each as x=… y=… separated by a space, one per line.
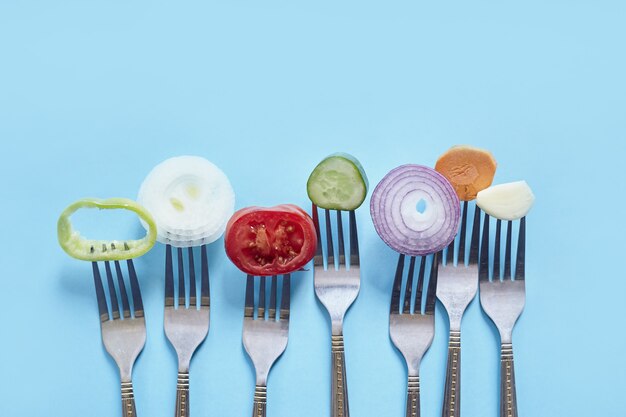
x=456 y=288
x=503 y=301
x=123 y=329
x=411 y=330
x=265 y=333
x=186 y=326
x=337 y=288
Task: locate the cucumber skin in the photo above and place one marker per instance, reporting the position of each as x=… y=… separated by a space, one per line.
x=78 y=247
x=355 y=162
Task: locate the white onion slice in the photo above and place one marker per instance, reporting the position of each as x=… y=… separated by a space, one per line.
x=510 y=201
x=190 y=200
x=415 y=210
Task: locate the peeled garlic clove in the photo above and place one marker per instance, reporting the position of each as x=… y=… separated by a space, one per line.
x=510 y=201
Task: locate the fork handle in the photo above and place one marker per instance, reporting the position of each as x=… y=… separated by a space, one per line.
x=508 y=397
x=339 y=385
x=182 y=395
x=260 y=401
x=452 y=393
x=413 y=397
x=128 y=400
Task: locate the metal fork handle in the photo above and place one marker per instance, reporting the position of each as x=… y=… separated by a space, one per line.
x=452 y=393
x=413 y=397
x=260 y=401
x=128 y=400
x=339 y=384
x=182 y=395
x=508 y=396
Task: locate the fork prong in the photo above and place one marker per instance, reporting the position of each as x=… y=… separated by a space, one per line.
x=432 y=285
x=181 y=280
x=192 y=279
x=248 y=311
x=340 y=242
x=521 y=250
x=134 y=289
x=354 y=240
x=123 y=294
x=115 y=310
x=319 y=257
x=420 y=286
x=496 y=251
x=408 y=290
x=169 y=277
x=463 y=235
x=450 y=253
x=261 y=309
x=273 y=291
x=397 y=285
x=474 y=243
x=286 y=298
x=330 y=254
x=205 y=289
x=102 y=301
x=507 y=253
x=483 y=270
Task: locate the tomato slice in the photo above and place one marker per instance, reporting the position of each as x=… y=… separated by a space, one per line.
x=270 y=241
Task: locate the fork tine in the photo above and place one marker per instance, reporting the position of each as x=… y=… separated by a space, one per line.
x=450 y=253
x=319 y=259
x=496 y=251
x=169 y=277
x=473 y=257
x=134 y=289
x=261 y=310
x=354 y=240
x=248 y=311
x=483 y=270
x=273 y=291
x=507 y=253
x=461 y=256
x=420 y=285
x=286 y=298
x=521 y=250
x=205 y=289
x=115 y=310
x=409 y=287
x=181 y=280
x=329 y=240
x=340 y=243
x=192 y=279
x=102 y=301
x=124 y=295
x=432 y=285
x=397 y=285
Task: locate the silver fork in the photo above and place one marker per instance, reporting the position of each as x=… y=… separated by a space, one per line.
x=503 y=301
x=337 y=288
x=456 y=288
x=124 y=330
x=410 y=330
x=187 y=326
x=265 y=336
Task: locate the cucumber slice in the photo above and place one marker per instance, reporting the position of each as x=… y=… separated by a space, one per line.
x=104 y=250
x=338 y=183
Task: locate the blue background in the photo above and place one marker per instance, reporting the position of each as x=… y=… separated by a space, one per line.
x=94 y=94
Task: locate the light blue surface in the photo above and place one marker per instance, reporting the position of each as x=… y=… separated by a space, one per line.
x=94 y=94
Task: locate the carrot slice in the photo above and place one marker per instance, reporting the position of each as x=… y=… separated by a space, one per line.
x=468 y=169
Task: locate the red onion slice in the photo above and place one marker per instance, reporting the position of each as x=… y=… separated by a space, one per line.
x=415 y=210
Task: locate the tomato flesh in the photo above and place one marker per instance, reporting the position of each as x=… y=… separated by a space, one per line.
x=270 y=241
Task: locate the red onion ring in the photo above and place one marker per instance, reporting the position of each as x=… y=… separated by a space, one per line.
x=397 y=220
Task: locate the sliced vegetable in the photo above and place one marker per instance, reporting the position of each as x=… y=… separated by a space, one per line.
x=338 y=183
x=104 y=250
x=270 y=241
x=468 y=169
x=415 y=210
x=510 y=201
x=190 y=198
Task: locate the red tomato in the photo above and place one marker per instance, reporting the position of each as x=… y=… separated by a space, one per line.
x=270 y=241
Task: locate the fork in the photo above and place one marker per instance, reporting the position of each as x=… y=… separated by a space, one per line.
x=503 y=301
x=265 y=335
x=186 y=327
x=456 y=288
x=411 y=330
x=123 y=329
x=337 y=288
